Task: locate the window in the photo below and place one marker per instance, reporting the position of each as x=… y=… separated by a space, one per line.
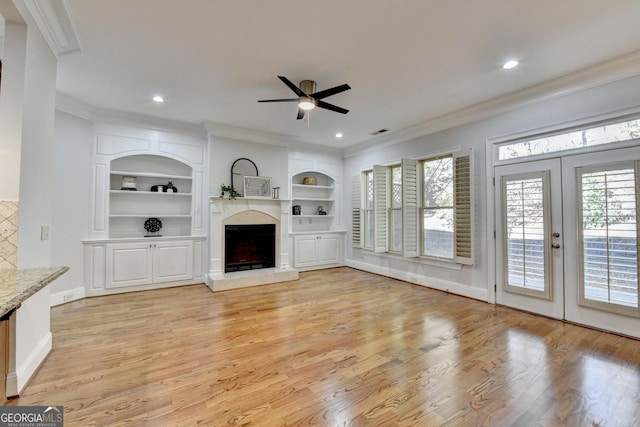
x=368 y=209
x=395 y=210
x=602 y=134
x=437 y=207
x=417 y=208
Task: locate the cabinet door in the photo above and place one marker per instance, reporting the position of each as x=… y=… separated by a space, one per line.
x=172 y=261
x=328 y=249
x=306 y=248
x=128 y=264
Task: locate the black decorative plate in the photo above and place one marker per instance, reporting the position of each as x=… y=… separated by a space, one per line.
x=152 y=225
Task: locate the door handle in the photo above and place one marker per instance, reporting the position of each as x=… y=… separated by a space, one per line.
x=555 y=245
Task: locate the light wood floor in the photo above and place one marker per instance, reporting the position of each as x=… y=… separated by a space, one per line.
x=338 y=347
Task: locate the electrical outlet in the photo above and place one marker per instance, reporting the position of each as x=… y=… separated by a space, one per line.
x=67 y=298
x=44 y=232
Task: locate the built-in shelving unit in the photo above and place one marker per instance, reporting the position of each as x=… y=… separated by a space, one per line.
x=129 y=209
x=315 y=241
x=309 y=198
x=130 y=164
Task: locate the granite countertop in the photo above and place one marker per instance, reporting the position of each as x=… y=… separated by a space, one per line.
x=17 y=285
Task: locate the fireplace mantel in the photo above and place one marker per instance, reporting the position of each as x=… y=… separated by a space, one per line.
x=241 y=211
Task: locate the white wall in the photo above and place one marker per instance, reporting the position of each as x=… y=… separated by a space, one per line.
x=73 y=145
x=33 y=339
x=11 y=102
x=472 y=281
x=271 y=161
x=36 y=167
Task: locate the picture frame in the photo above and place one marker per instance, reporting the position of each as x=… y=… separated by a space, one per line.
x=257 y=186
x=129 y=183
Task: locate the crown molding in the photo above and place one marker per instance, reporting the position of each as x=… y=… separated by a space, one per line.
x=72 y=106
x=54 y=20
x=149 y=122
x=607 y=72
x=242 y=134
x=248 y=135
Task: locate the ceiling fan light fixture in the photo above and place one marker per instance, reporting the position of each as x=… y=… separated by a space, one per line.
x=307 y=103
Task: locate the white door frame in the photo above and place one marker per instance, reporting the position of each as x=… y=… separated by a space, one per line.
x=575 y=313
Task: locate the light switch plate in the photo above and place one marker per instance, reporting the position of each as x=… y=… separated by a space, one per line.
x=44 y=232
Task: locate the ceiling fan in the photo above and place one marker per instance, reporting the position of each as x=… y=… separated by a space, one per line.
x=308 y=98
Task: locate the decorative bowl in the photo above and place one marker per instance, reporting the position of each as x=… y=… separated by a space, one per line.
x=310 y=180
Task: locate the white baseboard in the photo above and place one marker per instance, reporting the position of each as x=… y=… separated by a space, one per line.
x=17 y=380
x=67 y=296
x=428 y=282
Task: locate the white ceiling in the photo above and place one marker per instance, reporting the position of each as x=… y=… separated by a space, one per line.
x=408 y=61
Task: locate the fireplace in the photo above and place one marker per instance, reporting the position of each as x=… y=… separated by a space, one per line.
x=249 y=247
x=239 y=213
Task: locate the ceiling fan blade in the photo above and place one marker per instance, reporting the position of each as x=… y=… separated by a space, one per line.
x=332 y=91
x=280 y=100
x=300 y=114
x=293 y=87
x=327 y=106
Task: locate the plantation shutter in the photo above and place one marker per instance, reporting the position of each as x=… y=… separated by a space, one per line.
x=410 y=203
x=380 y=215
x=356 y=212
x=463 y=207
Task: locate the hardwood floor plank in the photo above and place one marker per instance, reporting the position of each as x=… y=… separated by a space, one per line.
x=338 y=347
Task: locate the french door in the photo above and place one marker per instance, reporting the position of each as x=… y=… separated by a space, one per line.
x=567 y=238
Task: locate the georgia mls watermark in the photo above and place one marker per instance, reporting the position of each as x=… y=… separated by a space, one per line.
x=31 y=416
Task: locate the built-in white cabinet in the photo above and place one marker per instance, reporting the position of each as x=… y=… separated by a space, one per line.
x=317 y=250
x=139 y=176
x=144 y=263
x=317 y=241
x=123 y=265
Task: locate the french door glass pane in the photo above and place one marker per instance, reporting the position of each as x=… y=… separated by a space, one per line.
x=609 y=237
x=525 y=233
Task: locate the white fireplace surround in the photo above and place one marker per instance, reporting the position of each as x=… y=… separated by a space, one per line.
x=248 y=210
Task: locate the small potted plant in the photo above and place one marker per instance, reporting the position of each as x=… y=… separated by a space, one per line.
x=228 y=191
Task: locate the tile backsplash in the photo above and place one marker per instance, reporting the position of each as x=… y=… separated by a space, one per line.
x=8 y=233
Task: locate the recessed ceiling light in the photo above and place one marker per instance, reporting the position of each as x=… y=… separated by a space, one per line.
x=339 y=135
x=158 y=98
x=510 y=64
